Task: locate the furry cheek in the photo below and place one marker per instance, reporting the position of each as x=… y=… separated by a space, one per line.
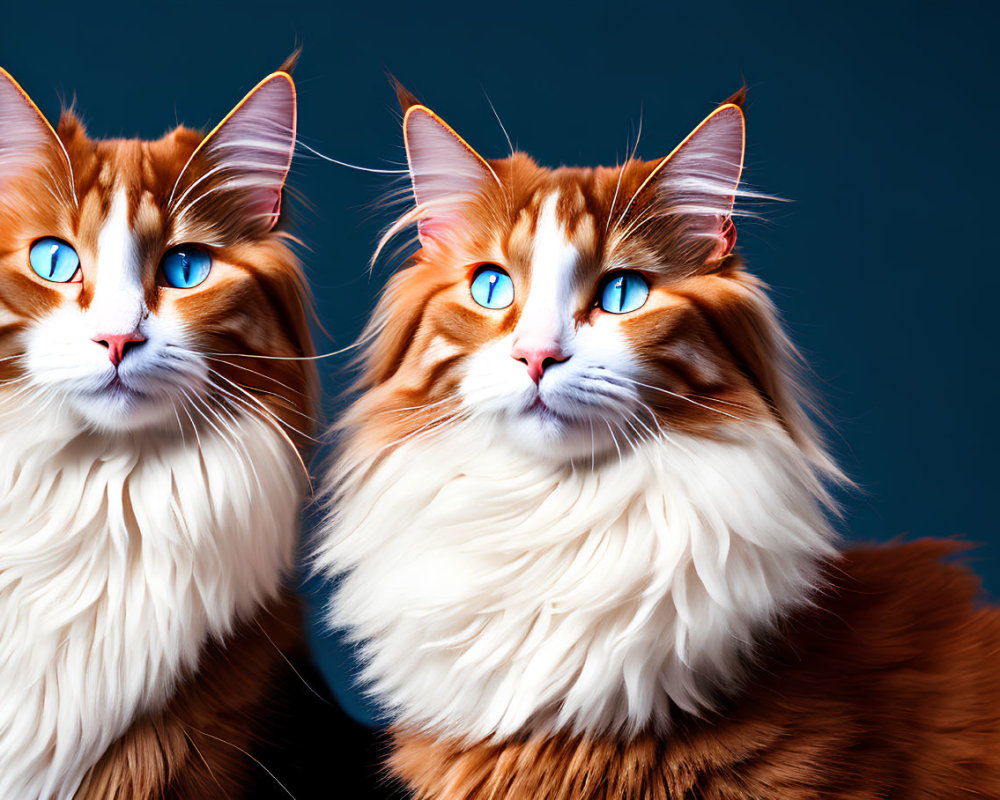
x=59 y=352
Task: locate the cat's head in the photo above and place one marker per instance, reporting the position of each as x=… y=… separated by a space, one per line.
x=143 y=283
x=574 y=311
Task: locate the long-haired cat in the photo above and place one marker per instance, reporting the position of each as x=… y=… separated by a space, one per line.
x=580 y=514
x=155 y=390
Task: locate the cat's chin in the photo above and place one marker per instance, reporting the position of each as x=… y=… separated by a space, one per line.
x=119 y=410
x=551 y=436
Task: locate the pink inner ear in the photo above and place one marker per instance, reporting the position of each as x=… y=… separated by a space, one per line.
x=430 y=229
x=442 y=226
x=251 y=151
x=727 y=240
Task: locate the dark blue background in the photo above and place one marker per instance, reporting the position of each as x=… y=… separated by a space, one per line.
x=878 y=120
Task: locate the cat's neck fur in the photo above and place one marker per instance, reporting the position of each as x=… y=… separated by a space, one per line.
x=121 y=555
x=498 y=594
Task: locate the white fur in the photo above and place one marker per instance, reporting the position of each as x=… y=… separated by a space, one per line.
x=122 y=554
x=119 y=304
x=497 y=592
x=138 y=519
x=546 y=319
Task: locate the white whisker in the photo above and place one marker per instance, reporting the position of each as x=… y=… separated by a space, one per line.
x=685 y=398
x=339 y=163
x=510 y=144
x=256 y=372
x=278 y=358
x=271 y=419
x=267 y=411
x=621 y=172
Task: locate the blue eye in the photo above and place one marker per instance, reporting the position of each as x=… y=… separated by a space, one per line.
x=186 y=266
x=625 y=292
x=492 y=287
x=54 y=260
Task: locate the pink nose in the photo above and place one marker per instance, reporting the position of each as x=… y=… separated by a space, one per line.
x=537 y=359
x=118 y=344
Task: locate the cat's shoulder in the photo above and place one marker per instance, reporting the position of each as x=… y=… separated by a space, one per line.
x=897 y=629
x=893 y=672
x=880 y=601
x=889 y=678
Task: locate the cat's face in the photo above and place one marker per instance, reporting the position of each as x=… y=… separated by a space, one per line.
x=573 y=311
x=133 y=274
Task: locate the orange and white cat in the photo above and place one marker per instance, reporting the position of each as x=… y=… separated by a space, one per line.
x=150 y=473
x=579 y=513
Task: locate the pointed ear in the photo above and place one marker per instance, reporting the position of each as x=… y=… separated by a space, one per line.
x=26 y=138
x=446 y=172
x=695 y=186
x=241 y=166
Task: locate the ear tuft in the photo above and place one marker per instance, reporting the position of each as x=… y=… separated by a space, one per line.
x=70 y=125
x=738 y=99
x=289 y=64
x=405 y=97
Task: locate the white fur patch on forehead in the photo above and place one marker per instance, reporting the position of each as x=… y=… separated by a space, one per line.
x=548 y=308
x=119 y=304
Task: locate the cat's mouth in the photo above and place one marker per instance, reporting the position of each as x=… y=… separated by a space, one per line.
x=117 y=388
x=539 y=409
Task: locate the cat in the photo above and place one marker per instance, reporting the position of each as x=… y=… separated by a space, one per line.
x=156 y=399
x=580 y=517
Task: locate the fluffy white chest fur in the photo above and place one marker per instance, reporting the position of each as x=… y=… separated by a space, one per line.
x=496 y=593
x=119 y=556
